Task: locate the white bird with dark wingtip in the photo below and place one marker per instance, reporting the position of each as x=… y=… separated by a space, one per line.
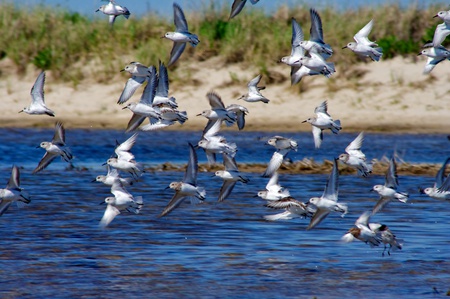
x=293 y=208
x=181 y=36
x=240 y=112
x=162 y=91
x=315 y=44
x=111 y=176
x=113 y=10
x=218 y=112
x=237 y=7
x=121 y=201
x=13 y=192
x=388 y=191
x=362 y=46
x=434 y=55
x=283 y=146
x=298 y=70
x=363 y=232
x=274 y=191
x=187 y=188
x=328 y=201
x=442 y=30
x=441 y=188
x=56 y=148
x=321 y=122
x=37 y=105
x=230 y=176
x=139 y=74
x=254 y=94
x=355 y=158
x=124 y=159
x=387 y=237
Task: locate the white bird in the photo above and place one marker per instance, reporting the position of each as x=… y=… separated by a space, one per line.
x=328 y=201
x=321 y=122
x=389 y=191
x=298 y=70
x=56 y=148
x=442 y=30
x=355 y=158
x=144 y=108
x=230 y=176
x=283 y=146
x=441 y=188
x=125 y=160
x=315 y=44
x=218 y=112
x=240 y=112
x=216 y=145
x=162 y=91
x=274 y=191
x=254 y=94
x=238 y=5
x=187 y=188
x=122 y=200
x=434 y=55
x=37 y=105
x=363 y=232
x=111 y=176
x=317 y=63
x=113 y=10
x=362 y=46
x=293 y=208
x=181 y=36
x=387 y=237
x=139 y=74
x=168 y=117
x=13 y=192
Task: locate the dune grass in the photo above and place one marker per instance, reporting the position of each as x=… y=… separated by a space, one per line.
x=75 y=47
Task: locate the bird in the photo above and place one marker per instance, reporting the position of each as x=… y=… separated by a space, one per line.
x=240 y=112
x=362 y=46
x=434 y=55
x=181 y=36
x=124 y=159
x=13 y=192
x=37 y=105
x=162 y=91
x=363 y=231
x=113 y=10
x=139 y=74
x=355 y=158
x=318 y=64
x=298 y=70
x=57 y=147
x=218 y=112
x=442 y=30
x=441 y=188
x=315 y=44
x=328 y=201
x=112 y=175
x=254 y=94
x=237 y=7
x=230 y=176
x=293 y=208
x=321 y=122
x=387 y=237
x=122 y=200
x=388 y=191
x=187 y=188
x=283 y=147
x=144 y=108
x=274 y=191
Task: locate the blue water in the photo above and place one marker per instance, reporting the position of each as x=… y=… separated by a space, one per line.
x=52 y=248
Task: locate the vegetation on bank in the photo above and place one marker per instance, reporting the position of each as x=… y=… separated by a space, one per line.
x=76 y=47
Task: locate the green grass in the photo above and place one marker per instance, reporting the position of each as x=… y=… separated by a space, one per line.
x=76 y=47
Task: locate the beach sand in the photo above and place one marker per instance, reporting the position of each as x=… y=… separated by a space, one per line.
x=387 y=96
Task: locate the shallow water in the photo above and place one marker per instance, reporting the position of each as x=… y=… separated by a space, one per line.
x=52 y=248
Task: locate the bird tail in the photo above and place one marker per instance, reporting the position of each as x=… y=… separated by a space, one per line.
x=336 y=126
x=201 y=193
x=182 y=117
x=137 y=205
x=286 y=215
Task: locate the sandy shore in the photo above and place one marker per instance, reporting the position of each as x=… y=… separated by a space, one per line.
x=389 y=96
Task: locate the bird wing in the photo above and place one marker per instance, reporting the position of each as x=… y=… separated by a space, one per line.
x=226 y=189
x=237 y=7
x=361 y=36
x=440 y=176
x=130 y=87
x=110 y=213
x=215 y=101
x=176 y=52
x=229 y=162
x=37 y=91
x=431 y=63
x=318 y=136
x=322 y=108
x=275 y=162
x=316 y=32
x=190 y=176
x=179 y=19
x=45 y=161
x=150 y=89
x=14 y=180
x=59 y=137
x=254 y=82
x=380 y=204
x=176 y=200
x=4 y=205
x=354 y=148
x=318 y=216
x=332 y=186
x=163 y=84
x=363 y=220
x=391 y=178
x=134 y=123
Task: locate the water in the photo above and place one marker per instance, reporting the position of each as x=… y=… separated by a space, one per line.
x=52 y=248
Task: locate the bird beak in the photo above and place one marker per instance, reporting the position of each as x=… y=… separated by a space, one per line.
x=419 y=54
x=421 y=190
x=122 y=70
x=163 y=36
x=344 y=47
x=124 y=107
x=304 y=121
x=20 y=111
x=103 y=202
x=94 y=180
x=436 y=16
x=371 y=190
x=104 y=163
x=97 y=10
x=199 y=114
x=38 y=146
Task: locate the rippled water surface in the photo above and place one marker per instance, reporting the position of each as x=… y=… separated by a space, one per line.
x=53 y=248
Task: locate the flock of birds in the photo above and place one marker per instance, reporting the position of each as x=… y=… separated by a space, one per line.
x=308 y=57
